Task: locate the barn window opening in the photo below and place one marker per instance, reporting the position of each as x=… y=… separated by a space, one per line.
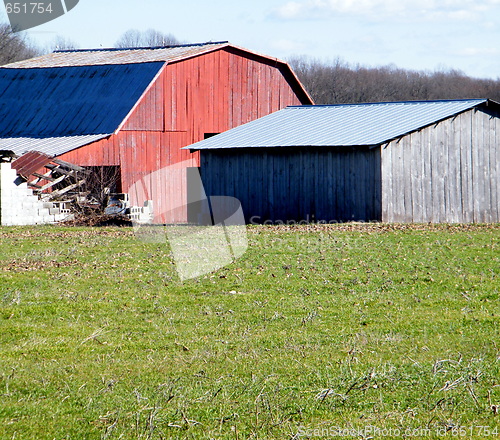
x=209 y=135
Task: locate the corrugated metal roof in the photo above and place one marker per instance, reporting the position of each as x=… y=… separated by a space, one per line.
x=87 y=57
x=52 y=146
x=70 y=101
x=337 y=125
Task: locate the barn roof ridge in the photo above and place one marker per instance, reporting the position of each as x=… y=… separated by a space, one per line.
x=130 y=55
x=80 y=66
x=89 y=57
x=116 y=49
x=377 y=103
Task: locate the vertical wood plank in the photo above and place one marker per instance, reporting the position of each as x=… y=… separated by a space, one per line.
x=477 y=193
x=485 y=148
x=416 y=176
x=494 y=143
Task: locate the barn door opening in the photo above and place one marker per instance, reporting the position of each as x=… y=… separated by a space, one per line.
x=198 y=210
x=101 y=182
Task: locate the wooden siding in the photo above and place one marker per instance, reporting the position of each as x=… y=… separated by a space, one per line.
x=446 y=173
x=280 y=185
x=150 y=158
x=210 y=93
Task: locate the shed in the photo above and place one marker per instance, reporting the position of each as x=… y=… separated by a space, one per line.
x=425 y=161
x=132 y=110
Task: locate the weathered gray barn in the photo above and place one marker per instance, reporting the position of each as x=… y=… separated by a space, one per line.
x=432 y=161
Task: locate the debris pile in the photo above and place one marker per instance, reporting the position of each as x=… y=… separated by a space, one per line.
x=39 y=189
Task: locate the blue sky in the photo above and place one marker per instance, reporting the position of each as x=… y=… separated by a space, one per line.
x=413 y=34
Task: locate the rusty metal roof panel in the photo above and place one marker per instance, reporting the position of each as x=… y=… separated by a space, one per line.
x=70 y=101
x=338 y=125
x=87 y=57
x=30 y=163
x=51 y=146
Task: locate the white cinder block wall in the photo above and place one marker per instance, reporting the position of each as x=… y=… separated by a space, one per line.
x=18 y=205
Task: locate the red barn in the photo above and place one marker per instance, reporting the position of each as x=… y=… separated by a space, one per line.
x=135 y=109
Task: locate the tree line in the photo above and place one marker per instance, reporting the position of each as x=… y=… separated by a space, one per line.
x=339 y=82
x=15 y=47
x=335 y=82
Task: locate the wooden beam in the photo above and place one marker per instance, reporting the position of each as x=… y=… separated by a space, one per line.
x=55 y=194
x=44 y=176
x=69 y=165
x=54 y=181
x=58 y=169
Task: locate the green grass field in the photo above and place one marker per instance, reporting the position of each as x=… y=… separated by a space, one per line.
x=347 y=331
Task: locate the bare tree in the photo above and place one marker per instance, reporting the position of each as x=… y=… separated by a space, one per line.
x=149 y=38
x=14 y=46
x=62 y=43
x=101 y=181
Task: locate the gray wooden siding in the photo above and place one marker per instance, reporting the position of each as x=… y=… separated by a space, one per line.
x=284 y=184
x=446 y=173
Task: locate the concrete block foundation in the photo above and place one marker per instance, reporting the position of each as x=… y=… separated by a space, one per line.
x=20 y=207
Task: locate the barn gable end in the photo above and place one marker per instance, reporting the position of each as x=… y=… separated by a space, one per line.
x=212 y=93
x=447 y=172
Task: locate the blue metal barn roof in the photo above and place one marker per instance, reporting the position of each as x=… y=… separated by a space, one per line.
x=69 y=102
x=337 y=125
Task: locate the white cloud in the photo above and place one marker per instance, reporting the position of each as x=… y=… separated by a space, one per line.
x=379 y=9
x=290 y=10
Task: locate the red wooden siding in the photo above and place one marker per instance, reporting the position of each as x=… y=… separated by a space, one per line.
x=148 y=115
x=140 y=153
x=210 y=93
